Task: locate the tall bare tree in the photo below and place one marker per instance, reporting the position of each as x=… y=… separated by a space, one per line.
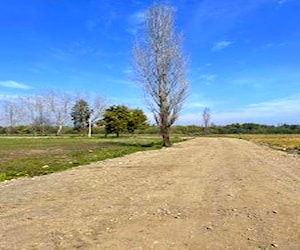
x=13 y=113
x=60 y=107
x=38 y=112
x=98 y=108
x=206 y=119
x=161 y=67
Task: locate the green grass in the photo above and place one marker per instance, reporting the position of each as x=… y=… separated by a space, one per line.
x=31 y=156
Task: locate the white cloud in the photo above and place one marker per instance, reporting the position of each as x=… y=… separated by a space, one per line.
x=281 y=1
x=207 y=78
x=135 y=22
x=127 y=71
x=220 y=45
x=204 y=66
x=197 y=104
x=277 y=111
x=7 y=97
x=13 y=84
x=192 y=105
x=137 y=18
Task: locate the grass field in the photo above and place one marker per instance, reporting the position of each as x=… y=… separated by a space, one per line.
x=31 y=156
x=290 y=143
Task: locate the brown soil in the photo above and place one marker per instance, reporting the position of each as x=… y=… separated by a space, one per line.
x=206 y=193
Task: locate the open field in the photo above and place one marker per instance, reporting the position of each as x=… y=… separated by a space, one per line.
x=206 y=193
x=31 y=156
x=290 y=143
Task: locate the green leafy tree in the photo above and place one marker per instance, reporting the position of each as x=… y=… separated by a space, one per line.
x=116 y=119
x=137 y=120
x=81 y=113
x=119 y=119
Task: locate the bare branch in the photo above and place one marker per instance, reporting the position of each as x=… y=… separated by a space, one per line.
x=161 y=67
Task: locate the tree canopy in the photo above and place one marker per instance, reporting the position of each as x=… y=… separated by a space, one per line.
x=81 y=113
x=119 y=119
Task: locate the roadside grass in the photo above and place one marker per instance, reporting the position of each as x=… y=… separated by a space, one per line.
x=32 y=156
x=285 y=142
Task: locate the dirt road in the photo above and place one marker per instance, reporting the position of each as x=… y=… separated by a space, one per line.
x=206 y=193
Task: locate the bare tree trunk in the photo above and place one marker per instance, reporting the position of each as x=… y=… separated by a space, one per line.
x=60 y=127
x=165 y=133
x=164 y=128
x=97 y=111
x=90 y=128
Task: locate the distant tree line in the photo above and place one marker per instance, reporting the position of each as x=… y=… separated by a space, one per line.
x=254 y=128
x=236 y=128
x=192 y=130
x=35 y=114
x=55 y=112
x=239 y=128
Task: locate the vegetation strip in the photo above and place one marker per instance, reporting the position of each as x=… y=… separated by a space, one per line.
x=34 y=156
x=288 y=143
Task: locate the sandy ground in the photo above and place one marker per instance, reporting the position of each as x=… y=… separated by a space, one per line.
x=206 y=193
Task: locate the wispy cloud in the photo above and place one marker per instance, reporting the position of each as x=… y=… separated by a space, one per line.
x=197 y=102
x=220 y=45
x=127 y=71
x=130 y=102
x=266 y=77
x=207 y=78
x=14 y=85
x=282 y=1
x=222 y=16
x=135 y=22
x=204 y=66
x=91 y=24
x=6 y=97
x=110 y=13
x=277 y=45
x=277 y=111
x=193 y=105
x=137 y=18
x=41 y=67
x=129 y=83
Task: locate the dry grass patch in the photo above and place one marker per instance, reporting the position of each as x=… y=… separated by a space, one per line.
x=284 y=142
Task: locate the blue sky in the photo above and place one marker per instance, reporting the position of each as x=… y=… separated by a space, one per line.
x=243 y=54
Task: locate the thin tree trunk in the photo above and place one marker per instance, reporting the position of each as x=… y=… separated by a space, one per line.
x=90 y=128
x=60 y=127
